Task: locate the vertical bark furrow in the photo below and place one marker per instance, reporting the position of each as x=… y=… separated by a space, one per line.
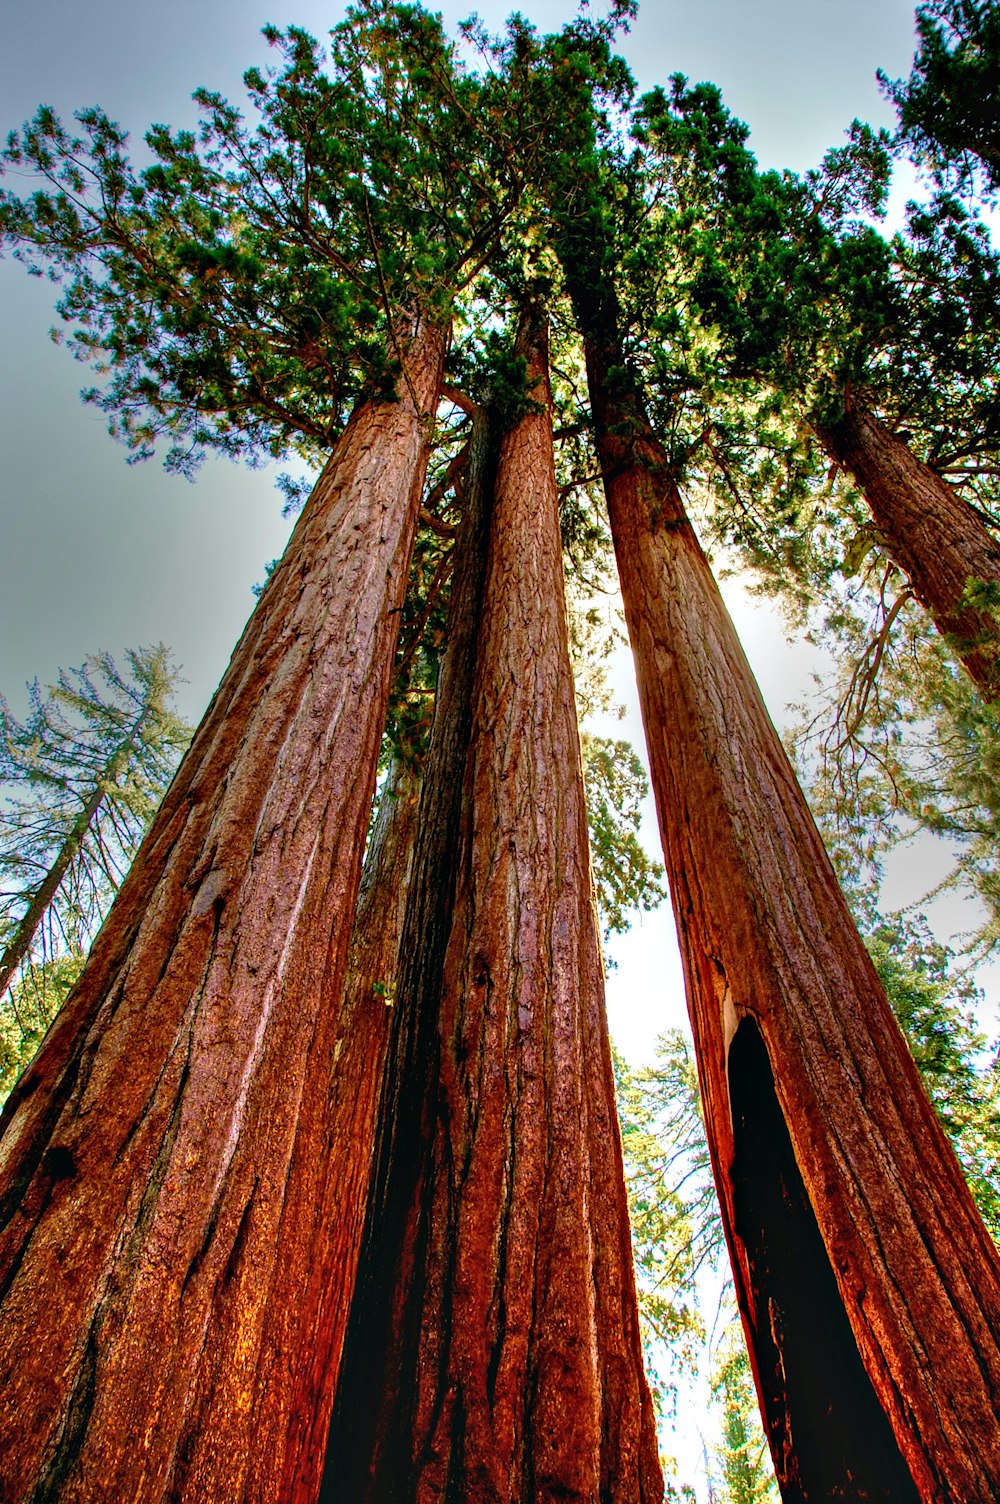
x=765 y=935
x=227 y=944
x=514 y=1285
x=359 y=1060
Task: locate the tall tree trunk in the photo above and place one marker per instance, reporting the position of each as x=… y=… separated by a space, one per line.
x=373 y=1335
x=514 y=1369
x=20 y=943
x=935 y=537
x=169 y=1188
x=359 y=1056
x=868 y=1286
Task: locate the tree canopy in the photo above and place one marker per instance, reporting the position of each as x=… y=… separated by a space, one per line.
x=947 y=106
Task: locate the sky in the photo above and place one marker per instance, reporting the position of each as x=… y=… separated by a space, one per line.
x=95 y=554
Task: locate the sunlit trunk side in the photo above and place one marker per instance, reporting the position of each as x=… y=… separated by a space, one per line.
x=515 y=1366
x=787 y=1010
x=169 y=1193
x=934 y=535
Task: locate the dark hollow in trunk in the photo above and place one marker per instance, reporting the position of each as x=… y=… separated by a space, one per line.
x=170 y=1265
x=823 y=1414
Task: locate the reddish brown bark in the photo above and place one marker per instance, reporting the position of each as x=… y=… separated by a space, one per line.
x=373 y=1337
x=170 y=1268
x=357 y=1074
x=516 y=1371
x=935 y=537
x=822 y=1139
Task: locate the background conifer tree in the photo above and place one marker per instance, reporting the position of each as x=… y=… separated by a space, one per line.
x=82 y=777
x=947 y=106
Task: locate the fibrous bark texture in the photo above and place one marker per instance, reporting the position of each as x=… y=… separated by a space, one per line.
x=935 y=537
x=786 y=1008
x=514 y=1370
x=170 y=1267
x=374 y=1332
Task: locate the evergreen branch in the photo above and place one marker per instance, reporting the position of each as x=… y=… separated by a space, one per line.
x=865 y=675
x=387 y=305
x=437 y=584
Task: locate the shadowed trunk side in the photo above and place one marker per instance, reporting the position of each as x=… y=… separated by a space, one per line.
x=356 y=1084
x=370 y=1377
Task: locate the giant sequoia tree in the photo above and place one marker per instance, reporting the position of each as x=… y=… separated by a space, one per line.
x=151 y=1151
x=169 y=1149
x=820 y=1132
x=184 y=1154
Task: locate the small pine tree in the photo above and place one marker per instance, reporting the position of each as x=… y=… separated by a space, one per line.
x=746 y=1475
x=83 y=775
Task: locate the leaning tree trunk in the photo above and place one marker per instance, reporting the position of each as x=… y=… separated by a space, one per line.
x=868 y=1286
x=513 y=1370
x=935 y=537
x=169 y=1187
